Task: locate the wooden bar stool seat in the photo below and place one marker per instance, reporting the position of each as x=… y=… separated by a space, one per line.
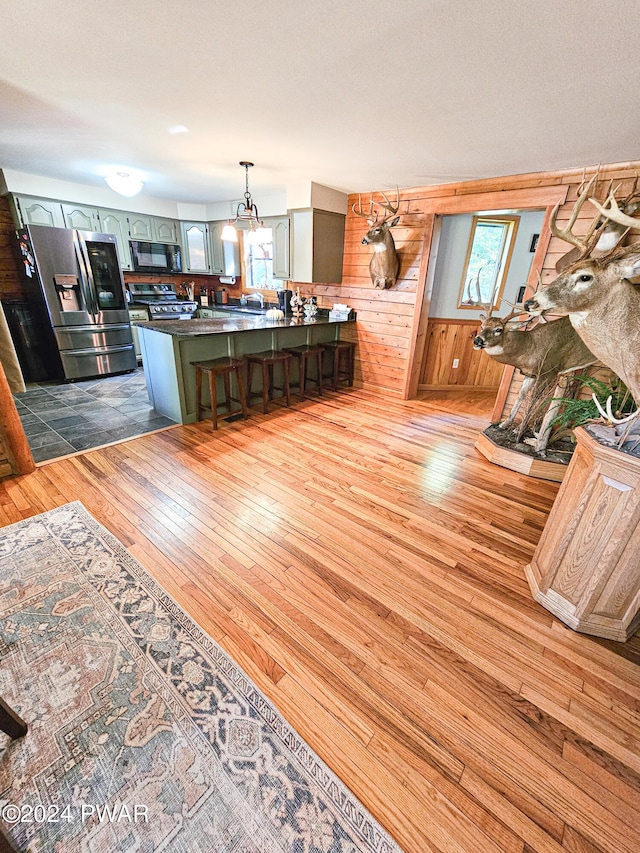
x=10 y=723
x=225 y=367
x=305 y=353
x=342 y=353
x=266 y=361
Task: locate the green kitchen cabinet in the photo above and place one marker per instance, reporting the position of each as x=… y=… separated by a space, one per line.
x=281 y=231
x=37 y=211
x=166 y=230
x=318 y=245
x=153 y=229
x=141 y=227
x=195 y=245
x=81 y=217
x=116 y=222
x=216 y=250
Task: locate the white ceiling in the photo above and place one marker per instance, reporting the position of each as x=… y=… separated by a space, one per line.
x=351 y=94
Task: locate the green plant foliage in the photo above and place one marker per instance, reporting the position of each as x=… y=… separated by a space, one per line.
x=576 y=412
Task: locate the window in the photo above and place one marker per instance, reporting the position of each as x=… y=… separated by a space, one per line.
x=487 y=264
x=257 y=247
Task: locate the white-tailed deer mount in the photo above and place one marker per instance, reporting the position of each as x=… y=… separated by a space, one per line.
x=385 y=263
x=540 y=354
x=602 y=304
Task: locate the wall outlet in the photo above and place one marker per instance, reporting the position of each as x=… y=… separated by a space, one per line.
x=456 y=362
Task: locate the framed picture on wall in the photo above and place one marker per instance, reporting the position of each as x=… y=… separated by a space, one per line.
x=521 y=293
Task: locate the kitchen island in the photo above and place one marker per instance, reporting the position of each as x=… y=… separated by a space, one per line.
x=170 y=346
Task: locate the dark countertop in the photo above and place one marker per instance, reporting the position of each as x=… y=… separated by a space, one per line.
x=235 y=323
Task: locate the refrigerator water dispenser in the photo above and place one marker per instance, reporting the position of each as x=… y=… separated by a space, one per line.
x=68 y=290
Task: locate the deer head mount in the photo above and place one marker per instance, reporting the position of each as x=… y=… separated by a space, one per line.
x=602 y=304
x=385 y=263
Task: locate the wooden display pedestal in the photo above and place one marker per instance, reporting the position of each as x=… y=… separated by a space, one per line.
x=532 y=466
x=586 y=568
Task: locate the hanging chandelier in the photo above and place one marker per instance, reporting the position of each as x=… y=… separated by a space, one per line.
x=245 y=212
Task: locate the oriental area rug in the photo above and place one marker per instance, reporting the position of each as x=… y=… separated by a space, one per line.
x=143 y=734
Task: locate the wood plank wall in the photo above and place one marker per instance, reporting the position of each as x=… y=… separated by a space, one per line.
x=448 y=340
x=392 y=324
x=8 y=287
x=9 y=284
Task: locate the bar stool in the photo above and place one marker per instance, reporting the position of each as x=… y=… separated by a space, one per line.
x=266 y=360
x=343 y=358
x=224 y=367
x=305 y=353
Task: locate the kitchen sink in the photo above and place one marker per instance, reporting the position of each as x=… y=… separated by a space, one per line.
x=242 y=309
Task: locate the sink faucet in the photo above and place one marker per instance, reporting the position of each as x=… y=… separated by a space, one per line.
x=257 y=296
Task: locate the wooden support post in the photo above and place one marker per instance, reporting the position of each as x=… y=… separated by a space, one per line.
x=11 y=432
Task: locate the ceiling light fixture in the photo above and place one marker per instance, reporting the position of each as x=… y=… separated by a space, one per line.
x=124 y=183
x=246 y=211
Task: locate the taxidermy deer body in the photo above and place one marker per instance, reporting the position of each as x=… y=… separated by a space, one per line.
x=384 y=266
x=545 y=351
x=603 y=306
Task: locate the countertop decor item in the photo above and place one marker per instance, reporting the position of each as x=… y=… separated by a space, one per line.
x=297 y=303
x=128 y=701
x=275 y=314
x=310 y=308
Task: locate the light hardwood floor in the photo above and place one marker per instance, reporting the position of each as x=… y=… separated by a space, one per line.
x=365 y=566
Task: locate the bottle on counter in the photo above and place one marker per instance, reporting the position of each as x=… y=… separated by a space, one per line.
x=224 y=297
x=204 y=297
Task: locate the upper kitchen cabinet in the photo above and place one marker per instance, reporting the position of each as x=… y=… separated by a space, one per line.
x=153 y=229
x=37 y=211
x=141 y=227
x=216 y=249
x=281 y=231
x=166 y=230
x=318 y=246
x=195 y=245
x=81 y=217
x=116 y=222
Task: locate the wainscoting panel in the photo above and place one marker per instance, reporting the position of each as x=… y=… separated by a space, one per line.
x=448 y=340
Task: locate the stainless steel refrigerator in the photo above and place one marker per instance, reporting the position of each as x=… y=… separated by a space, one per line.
x=74 y=286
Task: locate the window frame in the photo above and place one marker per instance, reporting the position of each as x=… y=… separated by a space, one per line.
x=512 y=221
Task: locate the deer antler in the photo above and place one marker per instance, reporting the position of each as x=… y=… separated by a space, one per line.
x=614 y=213
x=388 y=206
x=585 y=244
x=608 y=414
x=360 y=212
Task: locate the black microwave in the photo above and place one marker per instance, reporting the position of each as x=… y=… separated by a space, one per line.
x=155 y=257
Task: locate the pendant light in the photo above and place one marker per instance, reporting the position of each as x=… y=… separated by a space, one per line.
x=245 y=212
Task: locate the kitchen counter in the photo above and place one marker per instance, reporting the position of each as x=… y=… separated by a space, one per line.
x=169 y=348
x=235 y=323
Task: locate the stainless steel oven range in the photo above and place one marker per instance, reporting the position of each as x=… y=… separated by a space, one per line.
x=161 y=301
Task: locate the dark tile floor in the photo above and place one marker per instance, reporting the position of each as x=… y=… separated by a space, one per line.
x=62 y=419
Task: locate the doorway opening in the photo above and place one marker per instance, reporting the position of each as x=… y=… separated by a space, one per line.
x=484 y=261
